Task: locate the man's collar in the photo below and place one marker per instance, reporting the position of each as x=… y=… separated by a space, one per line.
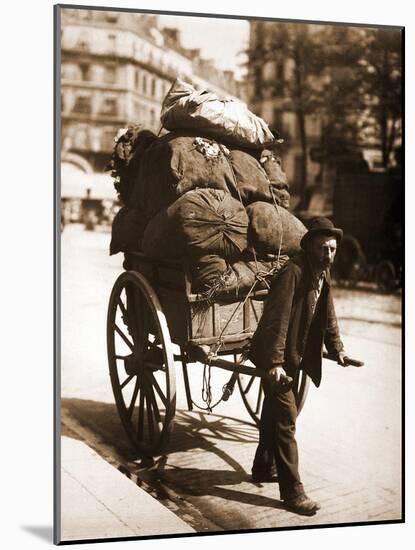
x=317 y=274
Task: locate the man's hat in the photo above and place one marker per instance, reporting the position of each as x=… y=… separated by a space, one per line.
x=321 y=226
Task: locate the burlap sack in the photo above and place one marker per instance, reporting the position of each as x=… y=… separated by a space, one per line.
x=271 y=164
x=251 y=183
x=201 y=222
x=224 y=119
x=214 y=277
x=273 y=228
x=282 y=197
x=176 y=164
x=126 y=159
x=205 y=271
x=127 y=230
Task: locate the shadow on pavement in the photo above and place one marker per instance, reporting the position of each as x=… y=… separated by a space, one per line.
x=102 y=419
x=200 y=482
x=193 y=431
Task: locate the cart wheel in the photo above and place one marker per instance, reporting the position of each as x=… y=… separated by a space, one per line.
x=385 y=276
x=253 y=394
x=141 y=363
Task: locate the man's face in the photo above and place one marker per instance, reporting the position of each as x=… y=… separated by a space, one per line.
x=322 y=250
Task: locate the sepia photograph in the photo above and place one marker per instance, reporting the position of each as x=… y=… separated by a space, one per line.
x=229 y=195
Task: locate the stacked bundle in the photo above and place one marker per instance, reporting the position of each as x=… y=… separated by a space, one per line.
x=208 y=191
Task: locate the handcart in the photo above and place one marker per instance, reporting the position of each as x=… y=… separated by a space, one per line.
x=156 y=323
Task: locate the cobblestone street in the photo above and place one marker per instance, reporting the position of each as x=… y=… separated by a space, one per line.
x=349 y=433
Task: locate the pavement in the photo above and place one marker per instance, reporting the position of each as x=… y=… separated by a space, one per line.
x=349 y=432
x=99 y=502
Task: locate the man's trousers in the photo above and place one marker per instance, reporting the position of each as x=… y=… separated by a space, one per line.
x=277 y=440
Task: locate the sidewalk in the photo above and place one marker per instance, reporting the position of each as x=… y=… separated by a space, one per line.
x=98 y=501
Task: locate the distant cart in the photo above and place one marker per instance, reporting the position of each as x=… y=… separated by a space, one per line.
x=368 y=208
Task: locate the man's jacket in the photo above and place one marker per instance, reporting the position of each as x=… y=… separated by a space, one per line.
x=290 y=333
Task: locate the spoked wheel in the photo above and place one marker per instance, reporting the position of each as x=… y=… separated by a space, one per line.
x=141 y=363
x=253 y=394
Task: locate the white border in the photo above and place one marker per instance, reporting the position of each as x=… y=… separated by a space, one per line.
x=27 y=282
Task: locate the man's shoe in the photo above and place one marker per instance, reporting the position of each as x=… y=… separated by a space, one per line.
x=303 y=505
x=264 y=477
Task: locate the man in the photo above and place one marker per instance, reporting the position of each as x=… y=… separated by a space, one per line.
x=298 y=318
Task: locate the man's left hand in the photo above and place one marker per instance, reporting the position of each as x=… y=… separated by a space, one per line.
x=341 y=358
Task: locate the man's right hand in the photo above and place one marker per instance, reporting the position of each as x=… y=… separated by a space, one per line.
x=279 y=379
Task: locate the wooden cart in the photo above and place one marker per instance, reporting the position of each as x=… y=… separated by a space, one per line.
x=154 y=321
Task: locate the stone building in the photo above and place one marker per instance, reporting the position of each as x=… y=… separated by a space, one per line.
x=116 y=68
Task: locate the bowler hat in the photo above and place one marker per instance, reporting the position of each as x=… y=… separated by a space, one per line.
x=321 y=226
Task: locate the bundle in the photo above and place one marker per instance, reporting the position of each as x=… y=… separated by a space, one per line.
x=207 y=191
x=127 y=230
x=202 y=221
x=226 y=119
x=273 y=230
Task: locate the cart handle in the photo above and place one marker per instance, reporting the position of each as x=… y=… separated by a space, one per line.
x=348 y=361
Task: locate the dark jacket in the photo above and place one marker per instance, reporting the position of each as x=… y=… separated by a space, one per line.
x=290 y=333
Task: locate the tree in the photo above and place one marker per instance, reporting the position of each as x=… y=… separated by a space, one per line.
x=349 y=76
x=381 y=73
x=321 y=79
x=297 y=43
x=339 y=100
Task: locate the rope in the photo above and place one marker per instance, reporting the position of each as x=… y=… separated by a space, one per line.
x=260 y=276
x=207 y=367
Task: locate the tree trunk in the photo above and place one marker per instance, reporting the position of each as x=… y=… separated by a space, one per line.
x=300 y=112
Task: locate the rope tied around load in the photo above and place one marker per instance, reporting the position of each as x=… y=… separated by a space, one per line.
x=260 y=277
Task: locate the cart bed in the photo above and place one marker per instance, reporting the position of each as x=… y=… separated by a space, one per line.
x=192 y=320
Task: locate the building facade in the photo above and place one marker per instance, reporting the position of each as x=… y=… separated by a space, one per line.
x=116 y=68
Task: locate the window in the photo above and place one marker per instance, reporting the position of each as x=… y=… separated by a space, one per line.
x=144 y=84
x=83 y=41
x=137 y=79
x=109 y=106
x=257 y=82
x=153 y=87
x=85 y=71
x=312 y=125
x=152 y=117
x=111 y=16
x=110 y=74
x=112 y=41
x=82 y=105
x=279 y=71
x=277 y=119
